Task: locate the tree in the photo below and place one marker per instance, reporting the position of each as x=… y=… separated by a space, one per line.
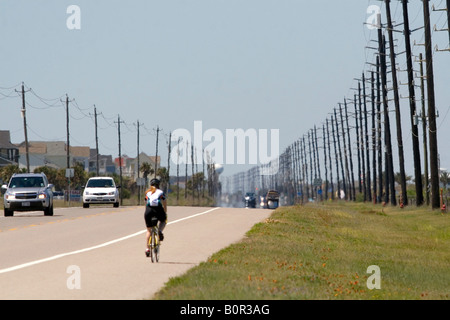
x=146 y=169
x=163 y=175
x=7 y=172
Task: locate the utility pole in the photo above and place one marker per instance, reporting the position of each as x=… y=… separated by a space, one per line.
x=357 y=144
x=68 y=134
x=186 y=171
x=96 y=143
x=379 y=148
x=348 y=193
x=434 y=161
x=366 y=144
x=424 y=129
x=329 y=161
x=412 y=108
x=156 y=156
x=318 y=162
x=336 y=157
x=389 y=167
x=325 y=161
x=178 y=169
x=401 y=157
x=344 y=184
x=168 y=162
x=120 y=156
x=138 y=165
x=352 y=176
x=24 y=116
x=374 y=140
x=362 y=144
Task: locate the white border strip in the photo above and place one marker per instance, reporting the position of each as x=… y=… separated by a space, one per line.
x=32 y=263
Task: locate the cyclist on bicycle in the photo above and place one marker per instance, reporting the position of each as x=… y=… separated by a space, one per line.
x=156 y=207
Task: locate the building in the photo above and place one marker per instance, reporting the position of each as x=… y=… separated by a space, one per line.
x=9 y=153
x=52 y=154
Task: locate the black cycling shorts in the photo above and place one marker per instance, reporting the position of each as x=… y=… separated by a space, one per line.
x=157 y=212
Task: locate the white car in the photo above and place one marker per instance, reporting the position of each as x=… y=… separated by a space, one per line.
x=100 y=190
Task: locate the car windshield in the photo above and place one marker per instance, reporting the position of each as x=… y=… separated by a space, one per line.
x=27 y=182
x=100 y=183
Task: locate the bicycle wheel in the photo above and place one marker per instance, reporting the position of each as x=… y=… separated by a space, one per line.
x=156 y=245
x=152 y=245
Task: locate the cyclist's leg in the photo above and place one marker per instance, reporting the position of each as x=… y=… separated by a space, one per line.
x=162 y=224
x=148 y=218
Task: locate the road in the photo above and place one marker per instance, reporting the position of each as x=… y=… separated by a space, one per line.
x=98 y=253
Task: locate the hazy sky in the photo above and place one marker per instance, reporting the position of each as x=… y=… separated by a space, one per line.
x=261 y=64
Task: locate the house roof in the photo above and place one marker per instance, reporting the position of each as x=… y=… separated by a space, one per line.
x=5 y=140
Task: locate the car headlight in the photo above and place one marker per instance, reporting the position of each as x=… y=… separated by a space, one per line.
x=10 y=197
x=110 y=193
x=42 y=196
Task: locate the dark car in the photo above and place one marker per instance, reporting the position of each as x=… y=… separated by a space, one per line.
x=250 y=200
x=28 y=192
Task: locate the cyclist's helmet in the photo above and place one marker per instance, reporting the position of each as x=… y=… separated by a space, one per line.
x=154 y=182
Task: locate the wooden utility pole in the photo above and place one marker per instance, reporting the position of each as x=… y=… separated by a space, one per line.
x=434 y=161
x=358 y=142
x=348 y=193
x=424 y=129
x=25 y=131
x=168 y=162
x=138 y=162
x=156 y=156
x=97 y=165
x=401 y=157
x=325 y=160
x=68 y=132
x=366 y=143
x=352 y=176
x=379 y=148
x=412 y=108
x=374 y=140
x=389 y=166
x=336 y=158
x=344 y=184
x=120 y=157
x=329 y=161
x=362 y=145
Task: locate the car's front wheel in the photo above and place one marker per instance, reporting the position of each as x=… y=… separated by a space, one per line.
x=48 y=211
x=9 y=213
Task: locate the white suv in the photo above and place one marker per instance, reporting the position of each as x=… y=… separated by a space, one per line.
x=100 y=190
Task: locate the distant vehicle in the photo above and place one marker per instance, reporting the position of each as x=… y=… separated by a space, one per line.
x=28 y=192
x=250 y=200
x=100 y=190
x=272 y=199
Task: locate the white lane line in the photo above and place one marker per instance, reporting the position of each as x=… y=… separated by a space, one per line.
x=32 y=263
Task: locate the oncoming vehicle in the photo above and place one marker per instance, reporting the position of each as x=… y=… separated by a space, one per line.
x=272 y=199
x=250 y=200
x=28 y=192
x=100 y=190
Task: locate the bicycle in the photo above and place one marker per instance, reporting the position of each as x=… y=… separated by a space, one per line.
x=153 y=241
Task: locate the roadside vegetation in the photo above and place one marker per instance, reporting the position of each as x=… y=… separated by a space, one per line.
x=323 y=251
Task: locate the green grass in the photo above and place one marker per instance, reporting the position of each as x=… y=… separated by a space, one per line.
x=323 y=252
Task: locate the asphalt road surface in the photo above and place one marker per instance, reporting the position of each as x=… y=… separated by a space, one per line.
x=98 y=253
